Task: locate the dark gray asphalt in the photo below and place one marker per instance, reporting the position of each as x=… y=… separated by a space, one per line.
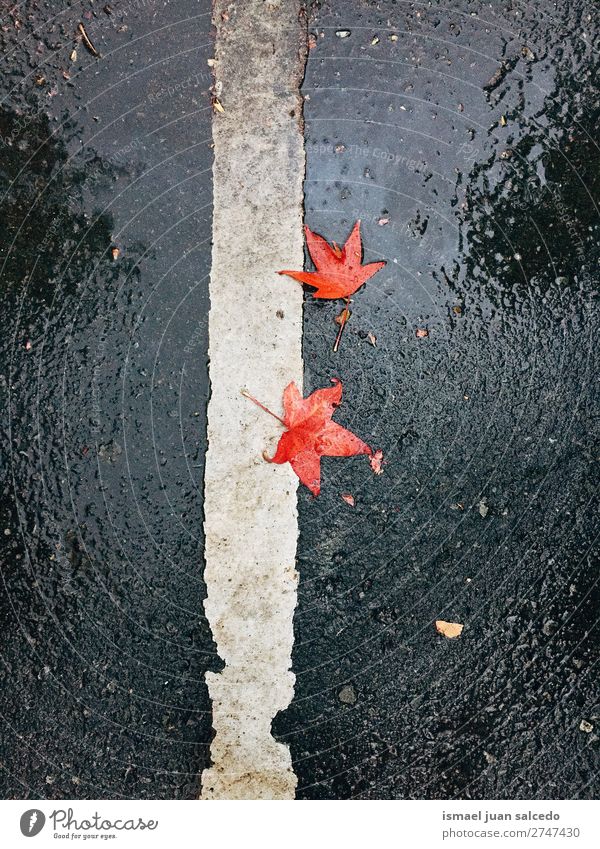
x=104 y=386
x=472 y=127
x=472 y=130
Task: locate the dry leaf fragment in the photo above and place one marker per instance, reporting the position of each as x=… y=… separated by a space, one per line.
x=527 y=53
x=349 y=499
x=372 y=338
x=496 y=78
x=217 y=105
x=343 y=317
x=73 y=56
x=86 y=40
x=451 y=630
x=376 y=460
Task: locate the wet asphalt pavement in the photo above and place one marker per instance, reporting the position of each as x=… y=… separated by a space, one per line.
x=464 y=139
x=104 y=381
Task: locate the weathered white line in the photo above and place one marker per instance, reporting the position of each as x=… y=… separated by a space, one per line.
x=251 y=524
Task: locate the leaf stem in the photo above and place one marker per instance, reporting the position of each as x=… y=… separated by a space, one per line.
x=247 y=395
x=343 y=322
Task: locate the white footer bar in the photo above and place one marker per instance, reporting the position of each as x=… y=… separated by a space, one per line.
x=293 y=825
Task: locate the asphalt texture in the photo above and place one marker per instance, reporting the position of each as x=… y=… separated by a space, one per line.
x=105 y=182
x=465 y=137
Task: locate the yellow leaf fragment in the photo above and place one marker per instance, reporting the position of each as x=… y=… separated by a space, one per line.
x=343 y=317
x=448 y=629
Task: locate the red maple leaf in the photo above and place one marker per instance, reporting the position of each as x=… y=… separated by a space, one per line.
x=339 y=270
x=311 y=434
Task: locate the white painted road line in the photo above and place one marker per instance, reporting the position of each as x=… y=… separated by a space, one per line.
x=255 y=327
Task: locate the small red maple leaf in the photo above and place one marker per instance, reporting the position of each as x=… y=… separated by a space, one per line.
x=311 y=434
x=339 y=270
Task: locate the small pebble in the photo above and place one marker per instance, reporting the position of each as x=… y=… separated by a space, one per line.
x=347 y=695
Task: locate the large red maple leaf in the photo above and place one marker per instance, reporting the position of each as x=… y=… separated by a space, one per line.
x=340 y=271
x=311 y=434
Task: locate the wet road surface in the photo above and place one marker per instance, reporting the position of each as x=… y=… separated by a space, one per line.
x=465 y=139
x=106 y=214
